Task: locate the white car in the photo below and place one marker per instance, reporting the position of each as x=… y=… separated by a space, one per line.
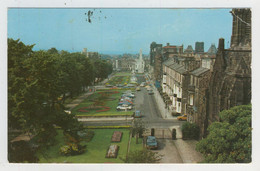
x=131 y=95
x=124 y=107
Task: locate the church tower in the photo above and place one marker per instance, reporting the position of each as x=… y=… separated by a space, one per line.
x=241 y=30
x=141 y=55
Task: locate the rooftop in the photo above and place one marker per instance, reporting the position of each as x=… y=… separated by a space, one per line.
x=178 y=68
x=199 y=71
x=169 y=62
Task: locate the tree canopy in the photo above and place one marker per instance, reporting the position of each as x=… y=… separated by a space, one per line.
x=37 y=80
x=229 y=141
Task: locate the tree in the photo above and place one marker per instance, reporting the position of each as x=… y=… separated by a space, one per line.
x=138 y=129
x=53 y=50
x=229 y=141
x=35 y=81
x=190 y=131
x=143 y=156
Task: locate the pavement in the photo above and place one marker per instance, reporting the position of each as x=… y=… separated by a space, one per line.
x=77 y=101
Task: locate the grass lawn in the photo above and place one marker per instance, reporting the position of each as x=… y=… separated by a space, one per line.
x=119 y=80
x=134 y=146
x=95 y=152
x=113 y=103
x=123 y=74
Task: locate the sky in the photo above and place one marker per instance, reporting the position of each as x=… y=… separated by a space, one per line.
x=117 y=30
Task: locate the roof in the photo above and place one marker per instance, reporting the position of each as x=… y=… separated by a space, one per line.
x=212 y=49
x=189 y=49
x=169 y=46
x=169 y=62
x=199 y=71
x=179 y=68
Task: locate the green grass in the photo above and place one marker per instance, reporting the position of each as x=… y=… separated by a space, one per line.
x=134 y=146
x=96 y=149
x=123 y=74
x=112 y=104
x=119 y=80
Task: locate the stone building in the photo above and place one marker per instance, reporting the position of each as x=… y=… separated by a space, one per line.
x=91 y=55
x=124 y=63
x=212 y=50
x=158 y=59
x=169 y=51
x=189 y=50
x=159 y=54
x=188 y=61
x=196 y=109
x=230 y=83
x=199 y=47
x=175 y=84
x=153 y=48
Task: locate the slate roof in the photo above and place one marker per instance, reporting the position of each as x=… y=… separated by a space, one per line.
x=178 y=68
x=169 y=62
x=189 y=49
x=199 y=71
x=212 y=49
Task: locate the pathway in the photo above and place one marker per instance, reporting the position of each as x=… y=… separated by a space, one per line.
x=78 y=100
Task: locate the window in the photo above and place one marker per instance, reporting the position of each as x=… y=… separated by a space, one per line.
x=191 y=99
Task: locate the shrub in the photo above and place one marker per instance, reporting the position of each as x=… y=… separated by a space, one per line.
x=72 y=149
x=190 y=131
x=86 y=135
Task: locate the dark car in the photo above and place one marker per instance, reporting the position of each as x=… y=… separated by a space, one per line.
x=137 y=114
x=151 y=143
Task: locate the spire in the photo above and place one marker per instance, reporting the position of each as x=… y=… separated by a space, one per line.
x=140 y=56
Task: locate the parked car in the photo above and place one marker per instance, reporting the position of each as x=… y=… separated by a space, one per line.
x=138 y=88
x=151 y=142
x=129 y=95
x=137 y=114
x=128 y=91
x=126 y=98
x=124 y=103
x=182 y=118
x=124 y=107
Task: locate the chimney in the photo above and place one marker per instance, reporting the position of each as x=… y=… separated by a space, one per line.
x=221 y=44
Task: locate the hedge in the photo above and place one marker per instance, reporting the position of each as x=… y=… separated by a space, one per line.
x=108 y=127
x=190 y=131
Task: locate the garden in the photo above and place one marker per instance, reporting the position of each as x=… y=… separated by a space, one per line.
x=97 y=146
x=119 y=80
x=101 y=103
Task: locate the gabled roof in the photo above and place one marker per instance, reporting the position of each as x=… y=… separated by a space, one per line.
x=189 y=49
x=169 y=62
x=212 y=49
x=199 y=71
x=178 y=68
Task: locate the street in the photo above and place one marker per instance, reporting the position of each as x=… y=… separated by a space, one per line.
x=172 y=150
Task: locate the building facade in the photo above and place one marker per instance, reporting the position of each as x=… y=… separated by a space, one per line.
x=230 y=84
x=196 y=110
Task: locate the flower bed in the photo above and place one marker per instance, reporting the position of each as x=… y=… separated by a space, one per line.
x=96 y=108
x=112 y=151
x=108 y=92
x=116 y=137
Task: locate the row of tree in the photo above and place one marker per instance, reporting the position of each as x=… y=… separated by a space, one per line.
x=37 y=80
